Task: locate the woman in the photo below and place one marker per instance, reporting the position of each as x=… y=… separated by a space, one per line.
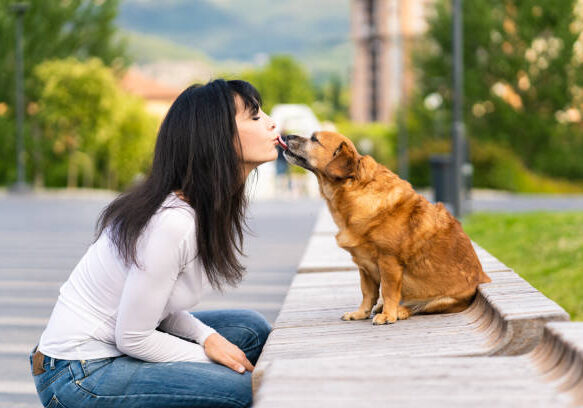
x=119 y=334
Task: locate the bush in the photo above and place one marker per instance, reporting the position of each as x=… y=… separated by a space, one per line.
x=376 y=139
x=7 y=151
x=93 y=133
x=522 y=81
x=494 y=167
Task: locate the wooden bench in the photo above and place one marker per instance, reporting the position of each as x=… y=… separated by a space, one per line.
x=548 y=376
x=313 y=354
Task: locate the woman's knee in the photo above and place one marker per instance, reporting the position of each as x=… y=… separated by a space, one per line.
x=247 y=329
x=257 y=324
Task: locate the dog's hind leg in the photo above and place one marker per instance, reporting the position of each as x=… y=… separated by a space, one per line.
x=444 y=304
x=403 y=312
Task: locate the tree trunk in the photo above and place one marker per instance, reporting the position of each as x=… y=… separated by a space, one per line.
x=72 y=171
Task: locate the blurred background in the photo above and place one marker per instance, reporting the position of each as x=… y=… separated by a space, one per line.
x=98 y=76
x=487 y=119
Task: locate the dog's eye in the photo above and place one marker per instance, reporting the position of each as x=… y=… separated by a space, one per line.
x=338 y=149
x=313 y=138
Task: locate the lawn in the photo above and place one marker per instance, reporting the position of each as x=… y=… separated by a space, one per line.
x=544 y=248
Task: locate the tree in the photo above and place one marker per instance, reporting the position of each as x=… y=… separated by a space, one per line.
x=522 y=77
x=90 y=124
x=131 y=146
x=52 y=29
x=282 y=80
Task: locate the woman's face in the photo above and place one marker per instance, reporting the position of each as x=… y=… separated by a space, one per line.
x=257 y=135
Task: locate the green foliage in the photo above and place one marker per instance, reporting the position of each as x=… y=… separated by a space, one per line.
x=522 y=80
x=332 y=100
x=52 y=29
x=87 y=122
x=544 y=248
x=495 y=167
x=282 y=80
x=375 y=139
x=131 y=145
x=57 y=29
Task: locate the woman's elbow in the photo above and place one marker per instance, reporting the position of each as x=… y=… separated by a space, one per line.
x=129 y=343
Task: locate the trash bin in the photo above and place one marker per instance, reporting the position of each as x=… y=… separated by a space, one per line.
x=440 y=165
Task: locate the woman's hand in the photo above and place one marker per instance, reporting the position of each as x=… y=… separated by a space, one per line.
x=222 y=351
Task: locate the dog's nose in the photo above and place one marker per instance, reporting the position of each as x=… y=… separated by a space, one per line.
x=290 y=137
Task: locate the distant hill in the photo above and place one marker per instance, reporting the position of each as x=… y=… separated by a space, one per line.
x=147 y=48
x=316 y=32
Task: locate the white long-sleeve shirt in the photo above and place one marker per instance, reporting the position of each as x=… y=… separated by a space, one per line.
x=106 y=309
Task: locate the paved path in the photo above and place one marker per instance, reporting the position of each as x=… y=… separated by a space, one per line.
x=497 y=201
x=42 y=238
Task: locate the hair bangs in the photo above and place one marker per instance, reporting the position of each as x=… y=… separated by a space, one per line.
x=248 y=94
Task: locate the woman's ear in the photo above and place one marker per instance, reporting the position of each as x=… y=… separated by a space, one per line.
x=343 y=164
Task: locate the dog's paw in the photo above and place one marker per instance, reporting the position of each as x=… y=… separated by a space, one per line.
x=403 y=313
x=383 y=318
x=358 y=315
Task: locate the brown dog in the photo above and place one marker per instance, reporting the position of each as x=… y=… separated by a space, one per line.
x=416 y=253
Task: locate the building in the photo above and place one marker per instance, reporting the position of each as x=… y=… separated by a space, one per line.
x=157 y=96
x=383 y=33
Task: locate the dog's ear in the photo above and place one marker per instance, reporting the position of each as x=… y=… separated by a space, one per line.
x=343 y=164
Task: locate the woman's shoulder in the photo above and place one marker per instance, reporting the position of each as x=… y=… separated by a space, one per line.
x=174 y=217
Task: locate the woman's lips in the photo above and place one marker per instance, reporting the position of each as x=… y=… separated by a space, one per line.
x=281 y=142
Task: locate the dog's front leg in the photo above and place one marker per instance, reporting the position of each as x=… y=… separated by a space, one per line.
x=391 y=281
x=370 y=295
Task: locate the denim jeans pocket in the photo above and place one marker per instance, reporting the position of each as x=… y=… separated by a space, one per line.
x=54 y=403
x=44 y=380
x=92 y=371
x=91 y=366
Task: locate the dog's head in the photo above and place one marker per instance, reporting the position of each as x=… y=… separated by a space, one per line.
x=327 y=154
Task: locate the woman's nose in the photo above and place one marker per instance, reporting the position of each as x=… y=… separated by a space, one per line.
x=271 y=123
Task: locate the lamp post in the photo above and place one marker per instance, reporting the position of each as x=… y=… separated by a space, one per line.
x=20 y=186
x=458 y=121
x=402 y=136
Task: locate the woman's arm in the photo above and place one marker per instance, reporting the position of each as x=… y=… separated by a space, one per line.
x=185 y=325
x=146 y=294
x=142 y=304
x=216 y=347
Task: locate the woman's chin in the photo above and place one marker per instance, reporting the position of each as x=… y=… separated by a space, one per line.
x=272 y=156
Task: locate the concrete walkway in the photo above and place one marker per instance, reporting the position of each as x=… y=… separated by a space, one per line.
x=501 y=201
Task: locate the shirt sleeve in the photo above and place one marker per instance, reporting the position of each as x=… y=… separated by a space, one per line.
x=145 y=295
x=185 y=325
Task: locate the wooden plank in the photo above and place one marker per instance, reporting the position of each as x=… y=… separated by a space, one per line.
x=323 y=254
x=408 y=382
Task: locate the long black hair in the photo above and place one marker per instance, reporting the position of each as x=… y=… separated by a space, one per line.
x=198 y=151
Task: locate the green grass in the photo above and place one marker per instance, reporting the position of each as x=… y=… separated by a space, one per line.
x=544 y=248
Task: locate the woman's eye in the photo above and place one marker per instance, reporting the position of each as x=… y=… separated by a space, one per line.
x=255 y=118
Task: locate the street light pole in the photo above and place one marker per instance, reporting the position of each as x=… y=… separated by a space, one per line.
x=19 y=9
x=458 y=121
x=402 y=136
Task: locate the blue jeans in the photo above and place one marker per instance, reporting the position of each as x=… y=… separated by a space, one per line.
x=126 y=382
